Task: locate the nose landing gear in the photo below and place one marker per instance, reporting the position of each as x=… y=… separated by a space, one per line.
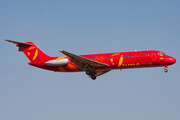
x=165 y=70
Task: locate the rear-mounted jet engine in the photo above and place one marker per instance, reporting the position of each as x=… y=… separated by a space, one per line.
x=57 y=62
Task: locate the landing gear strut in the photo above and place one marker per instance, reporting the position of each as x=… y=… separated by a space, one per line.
x=165 y=70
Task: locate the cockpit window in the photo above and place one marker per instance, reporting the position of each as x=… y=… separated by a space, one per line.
x=161 y=53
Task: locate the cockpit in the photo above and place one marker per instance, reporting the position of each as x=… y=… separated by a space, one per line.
x=161 y=53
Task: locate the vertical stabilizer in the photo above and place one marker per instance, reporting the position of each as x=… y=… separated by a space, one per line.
x=32 y=52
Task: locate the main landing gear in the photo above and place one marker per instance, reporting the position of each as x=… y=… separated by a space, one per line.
x=88 y=72
x=165 y=70
x=93 y=77
x=91 y=74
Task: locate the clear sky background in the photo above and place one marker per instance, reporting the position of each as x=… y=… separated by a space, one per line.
x=85 y=27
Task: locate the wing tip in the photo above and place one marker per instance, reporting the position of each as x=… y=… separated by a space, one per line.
x=7 y=40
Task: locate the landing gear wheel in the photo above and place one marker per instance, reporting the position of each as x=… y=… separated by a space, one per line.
x=165 y=70
x=93 y=77
x=88 y=72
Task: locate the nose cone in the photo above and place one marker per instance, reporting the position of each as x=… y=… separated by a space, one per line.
x=172 y=60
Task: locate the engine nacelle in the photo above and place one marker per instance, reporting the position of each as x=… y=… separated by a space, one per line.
x=57 y=62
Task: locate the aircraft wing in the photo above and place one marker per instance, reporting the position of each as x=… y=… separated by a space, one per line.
x=83 y=59
x=101 y=72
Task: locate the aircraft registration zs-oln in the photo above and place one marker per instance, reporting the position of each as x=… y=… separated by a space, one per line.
x=94 y=64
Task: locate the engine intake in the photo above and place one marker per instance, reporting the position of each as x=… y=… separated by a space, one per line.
x=57 y=62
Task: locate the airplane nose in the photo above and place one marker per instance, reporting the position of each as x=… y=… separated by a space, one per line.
x=173 y=60
x=169 y=60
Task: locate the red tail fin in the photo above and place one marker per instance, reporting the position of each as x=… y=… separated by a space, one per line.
x=31 y=51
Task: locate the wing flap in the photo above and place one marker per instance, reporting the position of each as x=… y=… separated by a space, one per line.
x=83 y=59
x=101 y=72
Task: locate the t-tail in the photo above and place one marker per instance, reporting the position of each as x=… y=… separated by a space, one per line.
x=33 y=53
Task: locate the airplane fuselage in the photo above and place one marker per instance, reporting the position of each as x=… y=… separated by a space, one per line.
x=120 y=60
x=94 y=64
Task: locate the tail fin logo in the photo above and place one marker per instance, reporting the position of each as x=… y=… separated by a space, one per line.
x=35 y=54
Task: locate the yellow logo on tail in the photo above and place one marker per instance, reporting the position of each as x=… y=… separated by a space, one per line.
x=35 y=54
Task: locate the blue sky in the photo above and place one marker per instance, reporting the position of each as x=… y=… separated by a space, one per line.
x=85 y=27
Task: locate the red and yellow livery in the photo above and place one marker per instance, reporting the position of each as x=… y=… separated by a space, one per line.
x=94 y=64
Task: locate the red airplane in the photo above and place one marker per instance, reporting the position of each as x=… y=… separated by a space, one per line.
x=94 y=64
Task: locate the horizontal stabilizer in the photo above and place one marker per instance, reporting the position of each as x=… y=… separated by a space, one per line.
x=20 y=43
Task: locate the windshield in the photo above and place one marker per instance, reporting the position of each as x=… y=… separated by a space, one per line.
x=161 y=53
